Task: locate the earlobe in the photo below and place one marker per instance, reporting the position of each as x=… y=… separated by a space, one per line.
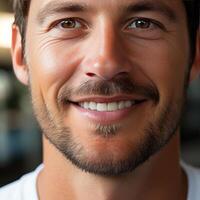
x=19 y=66
x=195 y=70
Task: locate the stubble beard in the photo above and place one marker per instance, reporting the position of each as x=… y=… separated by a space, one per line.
x=156 y=134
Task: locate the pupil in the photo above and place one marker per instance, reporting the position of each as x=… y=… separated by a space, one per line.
x=68 y=24
x=142 y=24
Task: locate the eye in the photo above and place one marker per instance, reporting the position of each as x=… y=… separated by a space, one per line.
x=143 y=24
x=145 y=28
x=70 y=24
x=68 y=28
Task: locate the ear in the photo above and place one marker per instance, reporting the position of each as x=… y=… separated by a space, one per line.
x=195 y=70
x=19 y=66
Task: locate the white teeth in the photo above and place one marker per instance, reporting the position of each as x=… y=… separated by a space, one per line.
x=128 y=104
x=85 y=105
x=101 y=107
x=93 y=106
x=121 y=105
x=112 y=106
x=106 y=107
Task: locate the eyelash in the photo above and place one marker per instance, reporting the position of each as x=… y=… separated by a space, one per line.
x=148 y=20
x=60 y=21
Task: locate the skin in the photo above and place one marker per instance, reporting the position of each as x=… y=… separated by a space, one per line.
x=103 y=47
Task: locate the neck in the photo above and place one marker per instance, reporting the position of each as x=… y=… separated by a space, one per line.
x=160 y=177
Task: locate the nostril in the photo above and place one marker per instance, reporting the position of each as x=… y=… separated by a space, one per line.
x=122 y=74
x=90 y=74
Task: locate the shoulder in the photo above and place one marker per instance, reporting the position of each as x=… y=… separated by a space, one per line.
x=193 y=173
x=22 y=189
x=193 y=176
x=10 y=191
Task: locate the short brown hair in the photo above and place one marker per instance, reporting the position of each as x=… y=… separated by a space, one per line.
x=21 y=9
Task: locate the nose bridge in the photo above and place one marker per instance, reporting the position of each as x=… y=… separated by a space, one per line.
x=105 y=56
x=107 y=39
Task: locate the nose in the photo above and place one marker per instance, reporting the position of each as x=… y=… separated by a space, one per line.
x=105 y=56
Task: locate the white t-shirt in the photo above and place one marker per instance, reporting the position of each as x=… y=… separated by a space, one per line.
x=193 y=175
x=25 y=188
x=22 y=189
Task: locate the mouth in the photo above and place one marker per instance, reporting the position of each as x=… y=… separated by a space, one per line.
x=106 y=110
x=107 y=107
x=107 y=104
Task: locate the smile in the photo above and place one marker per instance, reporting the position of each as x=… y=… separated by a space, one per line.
x=107 y=107
x=106 y=110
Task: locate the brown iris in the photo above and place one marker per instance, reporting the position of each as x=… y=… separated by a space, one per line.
x=142 y=24
x=69 y=23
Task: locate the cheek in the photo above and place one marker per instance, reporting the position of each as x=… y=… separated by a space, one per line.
x=165 y=64
x=56 y=63
x=51 y=65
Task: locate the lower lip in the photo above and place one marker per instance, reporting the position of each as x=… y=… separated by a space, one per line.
x=107 y=117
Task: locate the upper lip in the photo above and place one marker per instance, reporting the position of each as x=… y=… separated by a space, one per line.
x=107 y=99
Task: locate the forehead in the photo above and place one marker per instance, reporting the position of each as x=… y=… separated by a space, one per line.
x=114 y=5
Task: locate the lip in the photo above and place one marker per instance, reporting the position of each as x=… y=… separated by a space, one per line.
x=106 y=117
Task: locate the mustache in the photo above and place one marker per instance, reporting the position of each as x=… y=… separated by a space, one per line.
x=120 y=85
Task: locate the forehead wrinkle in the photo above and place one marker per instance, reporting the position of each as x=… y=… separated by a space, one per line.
x=55 y=7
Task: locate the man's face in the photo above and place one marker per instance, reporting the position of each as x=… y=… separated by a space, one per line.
x=107 y=77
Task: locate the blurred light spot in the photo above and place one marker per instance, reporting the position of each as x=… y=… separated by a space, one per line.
x=6 y=21
x=5 y=87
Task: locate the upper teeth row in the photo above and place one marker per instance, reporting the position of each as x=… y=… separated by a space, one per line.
x=113 y=106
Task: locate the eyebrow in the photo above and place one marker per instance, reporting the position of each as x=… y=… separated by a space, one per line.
x=142 y=6
x=61 y=7
x=160 y=7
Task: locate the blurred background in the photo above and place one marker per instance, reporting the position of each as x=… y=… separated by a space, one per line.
x=20 y=137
